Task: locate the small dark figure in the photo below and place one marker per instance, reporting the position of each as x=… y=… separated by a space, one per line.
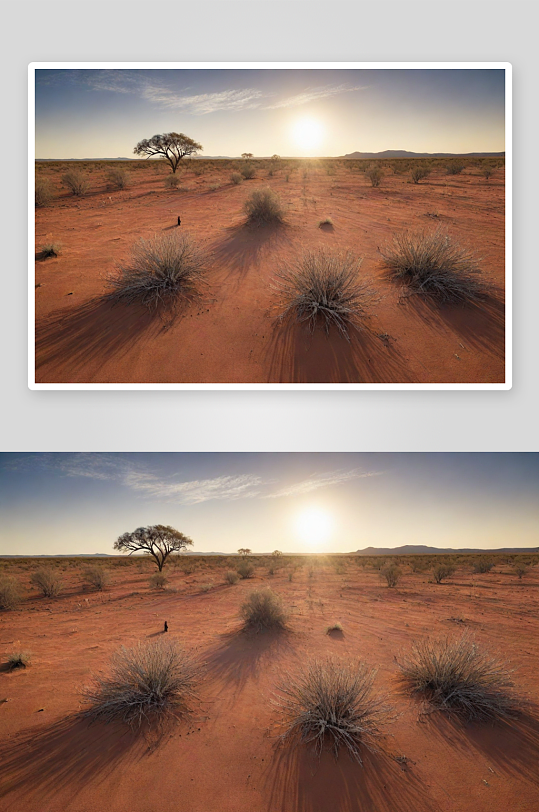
x=166 y=627
x=179 y=220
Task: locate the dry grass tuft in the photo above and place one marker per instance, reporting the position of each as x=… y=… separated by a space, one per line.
x=96 y=577
x=442 y=571
x=118 y=178
x=47 y=581
x=147 y=684
x=19 y=659
x=333 y=705
x=10 y=593
x=245 y=569
x=263 y=610
x=51 y=249
x=264 y=207
x=77 y=183
x=433 y=263
x=161 y=272
x=392 y=573
x=158 y=580
x=236 y=178
x=231 y=577
x=324 y=287
x=43 y=192
x=455 y=675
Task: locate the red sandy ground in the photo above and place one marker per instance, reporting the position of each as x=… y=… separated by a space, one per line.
x=225 y=757
x=232 y=337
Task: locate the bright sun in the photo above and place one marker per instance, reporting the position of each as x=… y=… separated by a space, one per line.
x=314 y=526
x=308 y=133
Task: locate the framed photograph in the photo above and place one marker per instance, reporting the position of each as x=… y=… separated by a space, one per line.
x=270 y=225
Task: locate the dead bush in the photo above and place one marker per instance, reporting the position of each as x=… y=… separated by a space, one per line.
x=118 y=178
x=10 y=593
x=263 y=610
x=236 y=178
x=331 y=704
x=392 y=573
x=245 y=569
x=264 y=207
x=158 y=580
x=247 y=171
x=419 y=172
x=19 y=659
x=231 y=577
x=375 y=175
x=96 y=577
x=77 y=183
x=48 y=581
x=442 y=571
x=483 y=566
x=43 y=192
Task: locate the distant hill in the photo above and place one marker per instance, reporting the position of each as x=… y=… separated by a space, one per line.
x=423 y=549
x=402 y=153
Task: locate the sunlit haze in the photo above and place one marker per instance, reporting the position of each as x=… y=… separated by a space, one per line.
x=80 y=503
x=101 y=113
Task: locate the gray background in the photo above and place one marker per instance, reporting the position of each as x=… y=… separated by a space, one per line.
x=271 y=420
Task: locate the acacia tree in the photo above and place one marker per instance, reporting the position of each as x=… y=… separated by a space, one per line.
x=247 y=155
x=171 y=146
x=159 y=541
x=244 y=551
x=276 y=553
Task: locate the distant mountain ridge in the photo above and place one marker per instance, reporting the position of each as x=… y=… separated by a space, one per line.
x=423 y=549
x=402 y=153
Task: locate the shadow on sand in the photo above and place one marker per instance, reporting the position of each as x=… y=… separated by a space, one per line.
x=512 y=747
x=298 y=781
x=481 y=326
x=240 y=656
x=92 y=332
x=299 y=356
x=69 y=753
x=244 y=246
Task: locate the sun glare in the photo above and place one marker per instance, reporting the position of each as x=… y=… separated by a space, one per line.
x=314 y=526
x=308 y=134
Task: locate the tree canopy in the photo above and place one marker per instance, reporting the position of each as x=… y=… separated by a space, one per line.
x=244 y=551
x=247 y=155
x=159 y=541
x=171 y=146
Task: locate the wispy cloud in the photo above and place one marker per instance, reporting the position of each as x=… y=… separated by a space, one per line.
x=321 y=481
x=133 y=82
x=171 y=487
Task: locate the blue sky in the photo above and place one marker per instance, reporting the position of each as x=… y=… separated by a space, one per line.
x=80 y=503
x=102 y=113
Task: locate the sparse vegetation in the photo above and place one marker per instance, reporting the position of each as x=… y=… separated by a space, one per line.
x=487 y=172
x=419 y=173
x=263 y=610
x=158 y=580
x=334 y=627
x=118 y=178
x=392 y=573
x=375 y=175
x=327 y=221
x=147 y=684
x=454 y=168
x=10 y=593
x=51 y=249
x=442 y=571
x=456 y=676
x=96 y=577
x=161 y=272
x=324 y=288
x=245 y=569
x=43 y=192
x=236 y=178
x=264 y=207
x=332 y=705
x=19 y=659
x=519 y=569
x=433 y=263
x=76 y=181
x=482 y=566
x=247 y=171
x=231 y=577
x=172 y=181
x=47 y=580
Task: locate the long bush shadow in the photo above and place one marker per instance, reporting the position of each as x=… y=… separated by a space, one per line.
x=244 y=246
x=512 y=746
x=68 y=753
x=298 y=781
x=481 y=325
x=298 y=356
x=240 y=656
x=92 y=332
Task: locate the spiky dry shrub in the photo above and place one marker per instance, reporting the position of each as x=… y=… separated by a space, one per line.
x=147 y=684
x=433 y=263
x=264 y=207
x=161 y=272
x=454 y=168
x=335 y=627
x=327 y=221
x=419 y=172
x=375 y=175
x=118 y=178
x=442 y=571
x=519 y=569
x=455 y=675
x=483 y=566
x=263 y=610
x=96 y=577
x=245 y=570
x=19 y=659
x=77 y=183
x=231 y=577
x=172 y=181
x=236 y=178
x=51 y=249
x=43 y=192
x=47 y=581
x=10 y=593
x=333 y=705
x=158 y=580
x=392 y=573
x=487 y=173
x=324 y=287
x=247 y=171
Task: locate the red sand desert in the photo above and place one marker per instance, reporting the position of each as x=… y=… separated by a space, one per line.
x=232 y=336
x=226 y=757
